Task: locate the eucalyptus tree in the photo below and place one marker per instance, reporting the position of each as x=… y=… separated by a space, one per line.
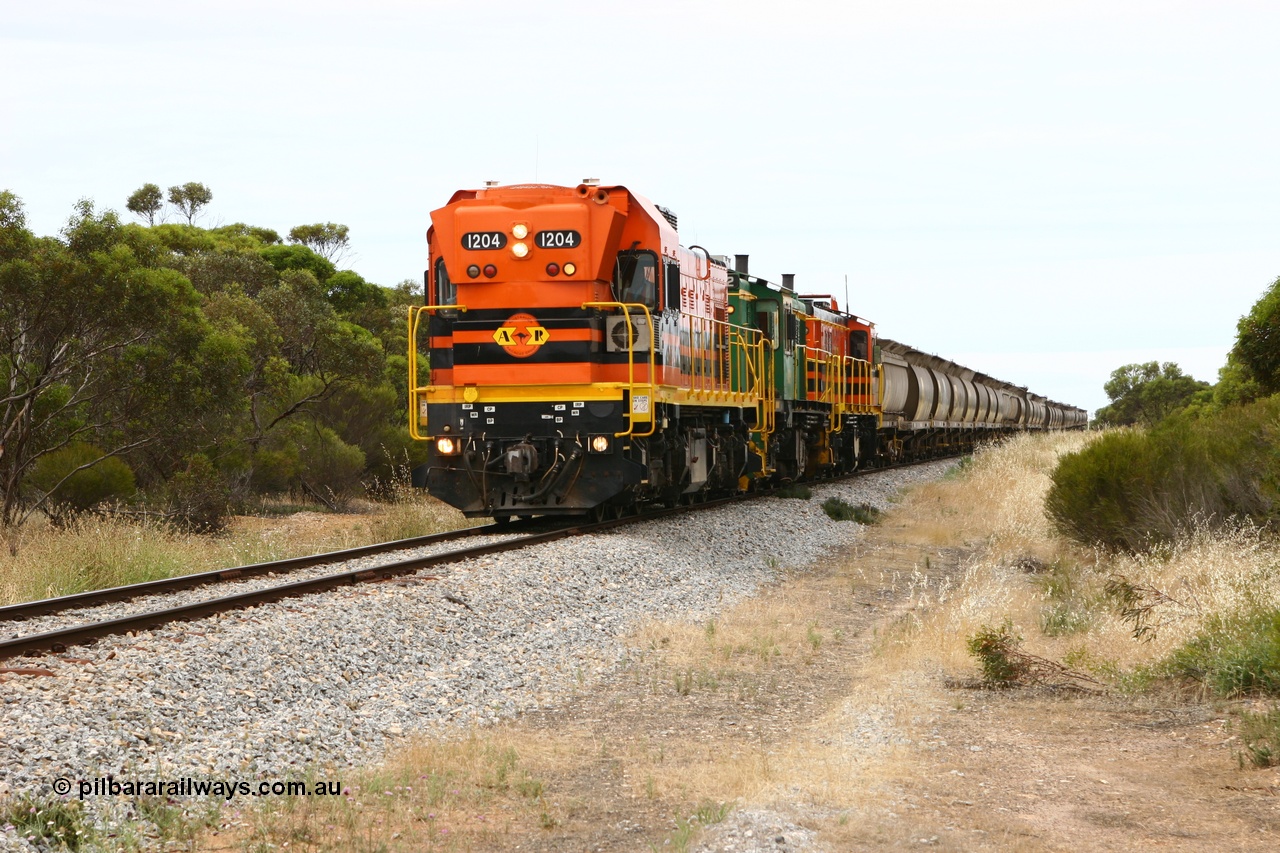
x=99 y=345
x=146 y=202
x=190 y=199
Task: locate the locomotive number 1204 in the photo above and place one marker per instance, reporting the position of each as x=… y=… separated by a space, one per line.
x=557 y=239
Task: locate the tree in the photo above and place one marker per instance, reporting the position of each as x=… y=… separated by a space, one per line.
x=189 y=199
x=1257 y=348
x=1146 y=393
x=96 y=347
x=327 y=239
x=146 y=202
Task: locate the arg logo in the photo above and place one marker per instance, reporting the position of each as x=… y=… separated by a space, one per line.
x=521 y=335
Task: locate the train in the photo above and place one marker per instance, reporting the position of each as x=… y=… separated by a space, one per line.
x=573 y=357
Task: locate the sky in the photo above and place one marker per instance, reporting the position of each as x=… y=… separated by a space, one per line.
x=1042 y=191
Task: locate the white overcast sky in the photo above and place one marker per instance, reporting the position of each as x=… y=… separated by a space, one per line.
x=1040 y=190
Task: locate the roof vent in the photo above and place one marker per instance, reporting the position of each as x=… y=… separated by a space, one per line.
x=668 y=215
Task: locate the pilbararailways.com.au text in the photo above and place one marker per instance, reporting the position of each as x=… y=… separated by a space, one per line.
x=110 y=786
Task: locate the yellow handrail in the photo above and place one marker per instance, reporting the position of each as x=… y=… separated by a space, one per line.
x=417 y=413
x=756 y=369
x=631 y=366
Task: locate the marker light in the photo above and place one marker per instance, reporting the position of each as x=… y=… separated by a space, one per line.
x=490 y=270
x=445 y=445
x=520 y=231
x=520 y=250
x=473 y=271
x=570 y=269
x=600 y=443
x=553 y=269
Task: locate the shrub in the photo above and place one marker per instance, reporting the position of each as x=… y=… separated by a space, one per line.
x=333 y=467
x=1233 y=656
x=107 y=479
x=1130 y=490
x=996 y=650
x=839 y=510
x=199 y=499
x=1097 y=492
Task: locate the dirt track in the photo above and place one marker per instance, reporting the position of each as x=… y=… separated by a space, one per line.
x=837 y=754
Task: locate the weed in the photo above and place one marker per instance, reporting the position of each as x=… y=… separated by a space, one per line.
x=60 y=823
x=530 y=788
x=960 y=469
x=813 y=636
x=684 y=683
x=1060 y=619
x=1260 y=738
x=711 y=813
x=686 y=830
x=840 y=510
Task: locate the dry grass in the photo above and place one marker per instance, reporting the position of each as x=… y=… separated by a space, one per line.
x=1052 y=591
x=40 y=561
x=463 y=794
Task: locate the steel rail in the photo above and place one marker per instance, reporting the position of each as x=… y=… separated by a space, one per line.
x=91 y=598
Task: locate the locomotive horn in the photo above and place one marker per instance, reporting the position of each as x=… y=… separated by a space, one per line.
x=601 y=196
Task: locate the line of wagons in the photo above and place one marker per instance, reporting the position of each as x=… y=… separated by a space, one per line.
x=925 y=396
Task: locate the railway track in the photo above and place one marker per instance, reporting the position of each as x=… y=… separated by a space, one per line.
x=59 y=640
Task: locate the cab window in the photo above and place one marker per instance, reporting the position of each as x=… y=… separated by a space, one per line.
x=859 y=340
x=767 y=323
x=446 y=291
x=635 y=278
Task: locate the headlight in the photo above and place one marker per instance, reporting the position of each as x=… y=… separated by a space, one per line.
x=520 y=231
x=445 y=446
x=520 y=250
x=600 y=444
